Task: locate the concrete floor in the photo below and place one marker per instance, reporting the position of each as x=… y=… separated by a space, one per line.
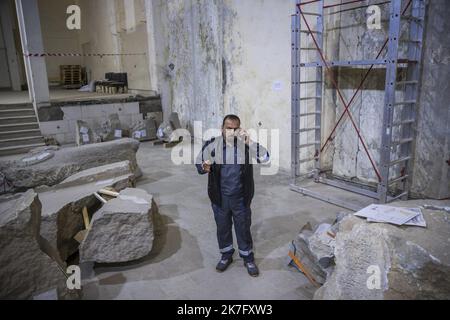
x=182 y=264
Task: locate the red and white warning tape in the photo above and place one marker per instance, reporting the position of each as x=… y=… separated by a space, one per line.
x=39 y=55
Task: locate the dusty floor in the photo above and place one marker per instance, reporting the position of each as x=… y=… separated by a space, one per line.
x=182 y=265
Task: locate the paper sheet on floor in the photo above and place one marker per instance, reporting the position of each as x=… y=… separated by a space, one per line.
x=394 y=215
x=418 y=221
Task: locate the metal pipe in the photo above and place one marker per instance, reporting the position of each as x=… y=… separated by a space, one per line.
x=356 y=8
x=336 y=5
x=308 y=2
x=342 y=4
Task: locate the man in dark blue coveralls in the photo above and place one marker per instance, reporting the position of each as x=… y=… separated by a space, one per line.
x=228 y=162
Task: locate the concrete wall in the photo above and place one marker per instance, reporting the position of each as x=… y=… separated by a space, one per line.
x=432 y=174
x=15 y=33
x=116 y=27
x=132 y=31
x=98 y=35
x=108 y=28
x=228 y=59
x=57 y=37
x=188 y=34
x=258 y=60
x=5 y=81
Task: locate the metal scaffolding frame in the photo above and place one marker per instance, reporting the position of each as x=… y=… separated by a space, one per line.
x=405 y=110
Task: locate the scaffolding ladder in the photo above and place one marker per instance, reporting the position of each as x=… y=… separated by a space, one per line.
x=397 y=150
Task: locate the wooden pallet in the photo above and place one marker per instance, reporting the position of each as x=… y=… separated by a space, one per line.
x=71 y=76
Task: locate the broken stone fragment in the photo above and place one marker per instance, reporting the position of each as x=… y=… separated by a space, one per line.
x=382 y=261
x=85 y=135
x=166 y=131
x=122 y=230
x=68 y=161
x=144 y=130
x=100 y=175
x=29 y=265
x=322 y=244
x=315 y=250
x=62 y=205
x=174 y=120
x=39 y=155
x=112 y=129
x=156 y=116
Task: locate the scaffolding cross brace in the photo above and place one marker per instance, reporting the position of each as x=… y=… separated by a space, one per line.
x=383 y=192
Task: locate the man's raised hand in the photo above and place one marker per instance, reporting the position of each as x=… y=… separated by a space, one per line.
x=206 y=166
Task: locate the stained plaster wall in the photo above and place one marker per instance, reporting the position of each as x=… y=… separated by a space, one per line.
x=188 y=35
x=233 y=56
x=230 y=56
x=432 y=156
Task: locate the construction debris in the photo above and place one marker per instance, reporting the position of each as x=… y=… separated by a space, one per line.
x=62 y=205
x=314 y=251
x=79 y=237
x=99 y=175
x=68 y=161
x=29 y=265
x=111 y=129
x=39 y=155
x=86 y=218
x=85 y=134
x=300 y=266
x=144 y=130
x=99 y=197
x=174 y=121
x=166 y=131
x=51 y=141
x=122 y=230
x=5 y=184
x=157 y=116
x=109 y=193
x=383 y=261
x=398 y=216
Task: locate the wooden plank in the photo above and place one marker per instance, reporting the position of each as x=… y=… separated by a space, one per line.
x=108 y=193
x=303 y=269
x=100 y=198
x=79 y=237
x=86 y=218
